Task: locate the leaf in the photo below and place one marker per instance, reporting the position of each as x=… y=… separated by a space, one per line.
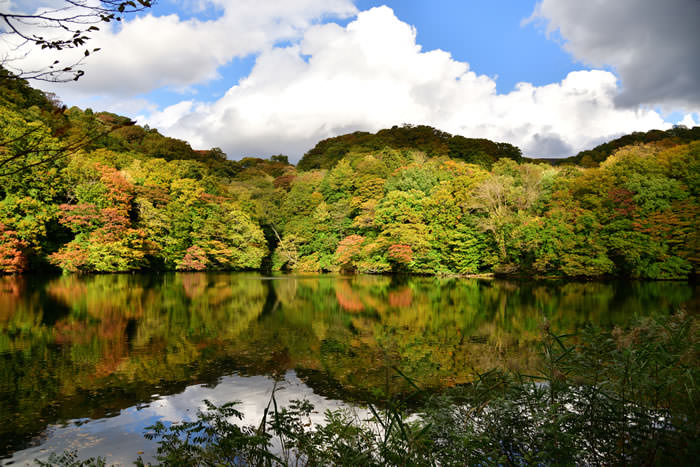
x=376 y=416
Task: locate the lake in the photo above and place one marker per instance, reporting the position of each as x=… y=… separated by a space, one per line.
x=87 y=362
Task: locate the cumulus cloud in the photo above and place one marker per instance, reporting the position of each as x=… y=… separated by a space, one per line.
x=371 y=74
x=651 y=44
x=149 y=52
x=690 y=121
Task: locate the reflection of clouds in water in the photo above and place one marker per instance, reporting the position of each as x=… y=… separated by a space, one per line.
x=120 y=438
x=253 y=393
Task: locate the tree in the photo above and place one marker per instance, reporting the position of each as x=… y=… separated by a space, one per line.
x=60 y=28
x=26 y=143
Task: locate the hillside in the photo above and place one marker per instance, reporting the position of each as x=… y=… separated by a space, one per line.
x=431 y=141
x=671 y=137
x=86 y=191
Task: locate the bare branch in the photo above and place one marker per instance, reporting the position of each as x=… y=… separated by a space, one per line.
x=69 y=27
x=46 y=155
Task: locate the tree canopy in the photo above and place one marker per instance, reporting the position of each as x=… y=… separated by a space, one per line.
x=92 y=191
x=670 y=137
x=429 y=140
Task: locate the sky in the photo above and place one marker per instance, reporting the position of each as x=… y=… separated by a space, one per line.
x=264 y=77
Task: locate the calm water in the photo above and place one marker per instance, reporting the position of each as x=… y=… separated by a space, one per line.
x=88 y=362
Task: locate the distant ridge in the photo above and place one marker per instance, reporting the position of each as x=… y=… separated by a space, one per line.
x=593 y=157
x=431 y=141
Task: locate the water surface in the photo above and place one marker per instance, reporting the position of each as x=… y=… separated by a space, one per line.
x=88 y=361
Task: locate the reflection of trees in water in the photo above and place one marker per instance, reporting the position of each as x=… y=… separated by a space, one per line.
x=401 y=298
x=440 y=330
x=77 y=346
x=116 y=335
x=195 y=285
x=10 y=290
x=18 y=301
x=347 y=298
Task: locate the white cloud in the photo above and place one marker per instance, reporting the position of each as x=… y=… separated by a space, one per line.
x=368 y=75
x=170 y=115
x=652 y=45
x=371 y=74
x=149 y=52
x=690 y=121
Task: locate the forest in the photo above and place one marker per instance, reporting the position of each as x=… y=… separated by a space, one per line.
x=92 y=192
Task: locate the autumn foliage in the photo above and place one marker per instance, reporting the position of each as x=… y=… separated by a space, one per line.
x=194 y=260
x=412 y=199
x=402 y=254
x=349 y=250
x=12 y=251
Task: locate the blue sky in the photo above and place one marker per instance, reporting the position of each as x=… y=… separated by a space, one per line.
x=488 y=35
x=263 y=77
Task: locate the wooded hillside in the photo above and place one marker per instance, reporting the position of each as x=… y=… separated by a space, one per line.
x=85 y=191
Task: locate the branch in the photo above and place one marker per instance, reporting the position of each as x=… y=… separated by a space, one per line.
x=73 y=24
x=54 y=154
